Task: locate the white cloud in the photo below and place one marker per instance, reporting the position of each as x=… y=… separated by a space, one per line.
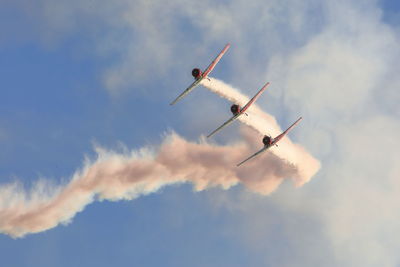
x=150 y=41
x=343 y=80
x=334 y=62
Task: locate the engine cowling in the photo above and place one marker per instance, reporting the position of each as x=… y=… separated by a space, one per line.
x=196 y=73
x=267 y=140
x=235 y=109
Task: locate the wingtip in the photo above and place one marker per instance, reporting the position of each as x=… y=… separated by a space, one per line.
x=211 y=134
x=265 y=86
x=174 y=102
x=239 y=164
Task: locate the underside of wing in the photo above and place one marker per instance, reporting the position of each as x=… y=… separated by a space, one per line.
x=255 y=97
x=252 y=156
x=279 y=137
x=215 y=61
x=190 y=88
x=223 y=125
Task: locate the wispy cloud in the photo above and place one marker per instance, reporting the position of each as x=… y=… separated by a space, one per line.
x=159 y=38
x=344 y=81
x=335 y=62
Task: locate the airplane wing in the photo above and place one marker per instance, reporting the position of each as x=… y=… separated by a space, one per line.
x=276 y=140
x=255 y=97
x=241 y=111
x=279 y=137
x=225 y=124
x=252 y=156
x=190 y=88
x=215 y=61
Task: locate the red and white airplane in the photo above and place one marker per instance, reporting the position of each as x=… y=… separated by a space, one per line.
x=199 y=76
x=269 y=141
x=237 y=110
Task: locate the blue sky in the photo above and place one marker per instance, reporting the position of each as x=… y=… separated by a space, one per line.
x=78 y=73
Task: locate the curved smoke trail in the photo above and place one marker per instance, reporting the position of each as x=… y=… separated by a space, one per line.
x=267 y=124
x=115 y=176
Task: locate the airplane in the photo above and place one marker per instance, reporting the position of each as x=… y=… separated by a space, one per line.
x=199 y=75
x=268 y=141
x=237 y=110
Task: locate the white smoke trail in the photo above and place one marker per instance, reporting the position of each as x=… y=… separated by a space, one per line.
x=114 y=176
x=267 y=124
